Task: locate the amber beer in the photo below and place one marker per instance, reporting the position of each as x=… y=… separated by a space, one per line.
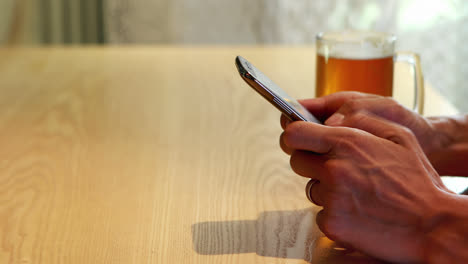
x=369 y=75
x=363 y=61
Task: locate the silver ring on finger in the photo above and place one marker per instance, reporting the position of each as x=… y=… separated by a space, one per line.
x=308 y=190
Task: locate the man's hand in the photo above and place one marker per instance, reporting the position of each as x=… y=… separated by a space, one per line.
x=379 y=192
x=443 y=139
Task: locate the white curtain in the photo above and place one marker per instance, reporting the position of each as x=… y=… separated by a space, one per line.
x=437 y=29
x=240 y=21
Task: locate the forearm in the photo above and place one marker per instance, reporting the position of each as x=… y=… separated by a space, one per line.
x=447 y=241
x=450 y=155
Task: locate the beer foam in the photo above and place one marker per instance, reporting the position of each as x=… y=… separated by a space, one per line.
x=356 y=45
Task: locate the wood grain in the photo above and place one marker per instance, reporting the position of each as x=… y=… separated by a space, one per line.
x=151 y=155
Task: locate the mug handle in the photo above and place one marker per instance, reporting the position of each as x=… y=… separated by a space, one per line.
x=415 y=62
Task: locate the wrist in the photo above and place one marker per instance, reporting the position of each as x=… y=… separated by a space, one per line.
x=444 y=132
x=448 y=143
x=446 y=239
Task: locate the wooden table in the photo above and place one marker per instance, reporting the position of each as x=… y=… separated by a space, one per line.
x=153 y=155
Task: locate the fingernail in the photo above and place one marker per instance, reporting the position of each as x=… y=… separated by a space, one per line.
x=335 y=120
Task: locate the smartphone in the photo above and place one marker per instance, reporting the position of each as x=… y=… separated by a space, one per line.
x=273 y=93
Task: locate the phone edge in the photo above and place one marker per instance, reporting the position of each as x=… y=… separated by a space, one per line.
x=253 y=82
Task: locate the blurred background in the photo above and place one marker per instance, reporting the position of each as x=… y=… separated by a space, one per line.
x=436 y=29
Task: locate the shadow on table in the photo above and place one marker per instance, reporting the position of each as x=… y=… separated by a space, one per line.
x=280 y=234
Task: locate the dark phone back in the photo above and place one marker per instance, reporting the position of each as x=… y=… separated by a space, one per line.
x=272 y=92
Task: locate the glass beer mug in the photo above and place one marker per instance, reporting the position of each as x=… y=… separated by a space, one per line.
x=363 y=61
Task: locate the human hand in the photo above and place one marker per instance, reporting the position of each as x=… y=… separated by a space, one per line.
x=379 y=193
x=333 y=108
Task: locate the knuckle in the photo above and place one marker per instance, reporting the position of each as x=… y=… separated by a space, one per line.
x=394 y=110
x=294 y=161
x=406 y=132
x=349 y=140
x=332 y=164
x=408 y=135
x=391 y=100
x=358 y=117
x=352 y=106
x=401 y=135
x=336 y=172
x=291 y=133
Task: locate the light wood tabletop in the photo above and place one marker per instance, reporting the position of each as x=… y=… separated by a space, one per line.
x=153 y=155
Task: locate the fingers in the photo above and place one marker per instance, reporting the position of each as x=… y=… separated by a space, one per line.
x=363 y=232
x=345 y=103
x=331 y=225
x=384 y=107
x=342 y=228
x=284 y=120
x=381 y=128
x=283 y=145
x=323 y=107
x=317 y=138
x=308 y=164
